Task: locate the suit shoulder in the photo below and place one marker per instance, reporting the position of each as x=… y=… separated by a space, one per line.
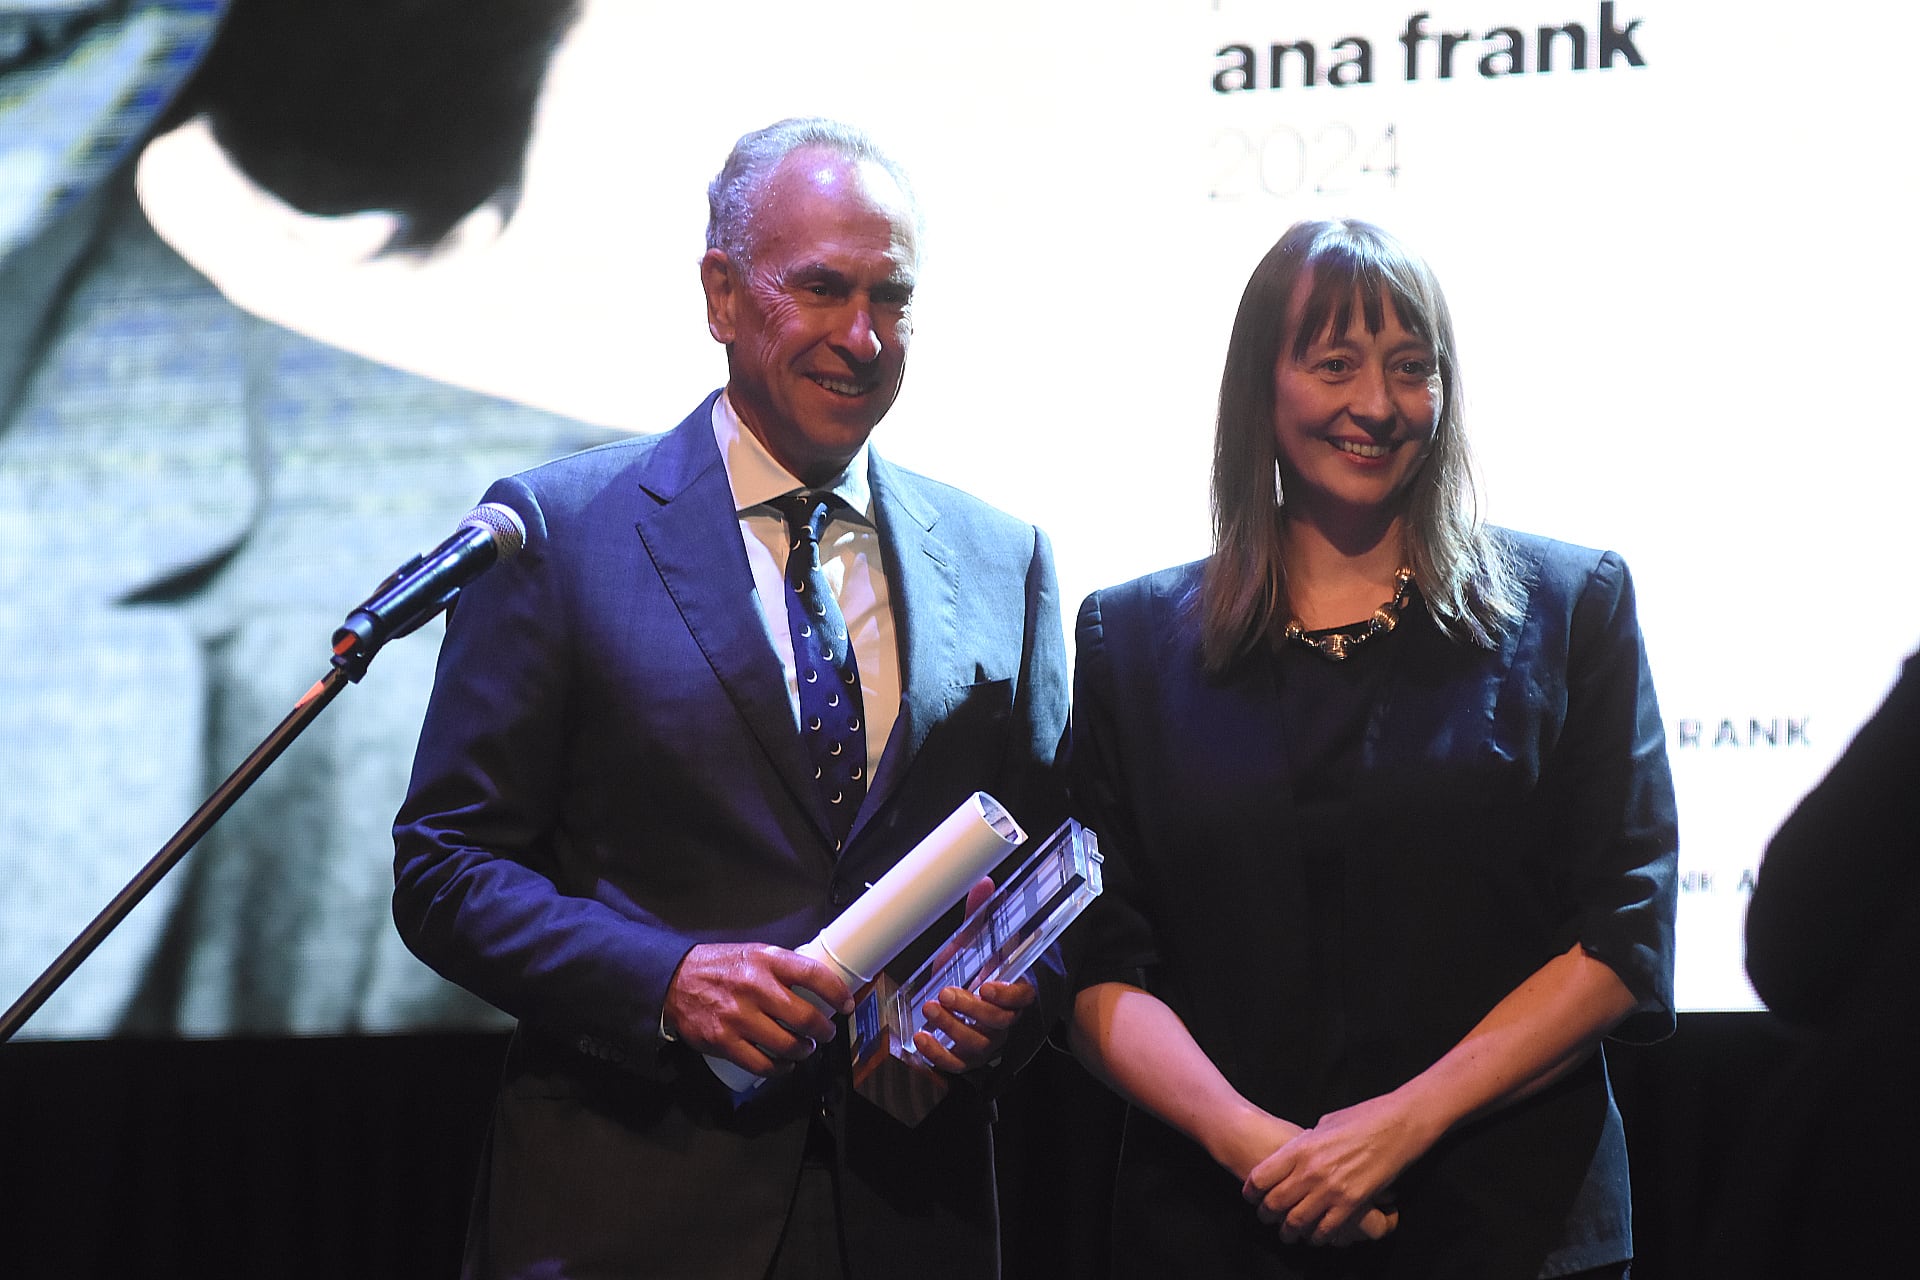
x=956 y=516
x=951 y=501
x=1162 y=594
x=589 y=479
x=1571 y=589
x=1174 y=581
x=1553 y=565
x=600 y=463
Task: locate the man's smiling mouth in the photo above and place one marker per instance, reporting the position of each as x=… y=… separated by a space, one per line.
x=841 y=386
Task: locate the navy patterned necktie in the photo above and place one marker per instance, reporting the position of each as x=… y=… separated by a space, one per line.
x=832 y=723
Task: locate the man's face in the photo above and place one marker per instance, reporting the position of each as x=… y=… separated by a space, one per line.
x=817 y=324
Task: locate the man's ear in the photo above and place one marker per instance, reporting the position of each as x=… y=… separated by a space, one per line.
x=721 y=284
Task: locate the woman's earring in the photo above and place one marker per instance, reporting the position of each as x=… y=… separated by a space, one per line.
x=1279 y=486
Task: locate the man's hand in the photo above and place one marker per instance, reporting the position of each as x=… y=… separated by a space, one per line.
x=740 y=1001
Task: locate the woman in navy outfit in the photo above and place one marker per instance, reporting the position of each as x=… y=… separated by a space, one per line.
x=1389 y=828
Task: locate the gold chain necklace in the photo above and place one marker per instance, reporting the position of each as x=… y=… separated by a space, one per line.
x=1335 y=645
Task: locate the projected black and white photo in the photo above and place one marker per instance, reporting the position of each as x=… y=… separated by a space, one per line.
x=259 y=344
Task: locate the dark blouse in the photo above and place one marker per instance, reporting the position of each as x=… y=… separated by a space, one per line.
x=1332 y=871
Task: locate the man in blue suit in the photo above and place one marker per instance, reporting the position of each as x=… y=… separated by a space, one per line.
x=615 y=832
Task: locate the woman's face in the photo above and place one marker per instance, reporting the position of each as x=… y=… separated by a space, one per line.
x=1355 y=415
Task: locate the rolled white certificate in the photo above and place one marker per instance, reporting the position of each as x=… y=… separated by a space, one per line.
x=905 y=902
x=919 y=888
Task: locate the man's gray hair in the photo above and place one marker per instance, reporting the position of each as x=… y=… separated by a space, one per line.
x=734 y=193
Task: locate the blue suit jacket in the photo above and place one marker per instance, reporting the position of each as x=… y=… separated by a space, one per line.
x=1502 y=805
x=610 y=773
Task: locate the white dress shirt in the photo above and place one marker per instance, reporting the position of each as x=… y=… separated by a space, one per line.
x=849 y=555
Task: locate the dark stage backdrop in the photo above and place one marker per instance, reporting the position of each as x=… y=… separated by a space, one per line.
x=323 y=1158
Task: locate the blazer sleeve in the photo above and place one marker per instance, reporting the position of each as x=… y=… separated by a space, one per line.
x=478 y=894
x=1609 y=801
x=1113 y=942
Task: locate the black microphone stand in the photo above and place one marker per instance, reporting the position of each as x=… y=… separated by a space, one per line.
x=352 y=651
x=416 y=592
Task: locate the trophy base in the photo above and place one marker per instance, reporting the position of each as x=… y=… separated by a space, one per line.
x=997 y=943
x=888 y=1074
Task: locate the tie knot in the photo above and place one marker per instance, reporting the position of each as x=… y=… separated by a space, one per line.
x=807 y=512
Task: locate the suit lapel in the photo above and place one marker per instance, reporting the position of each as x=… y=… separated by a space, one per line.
x=923 y=582
x=692 y=533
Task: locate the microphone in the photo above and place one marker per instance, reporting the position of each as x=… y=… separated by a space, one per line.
x=423 y=586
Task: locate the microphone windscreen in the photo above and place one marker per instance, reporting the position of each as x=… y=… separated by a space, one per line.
x=503 y=522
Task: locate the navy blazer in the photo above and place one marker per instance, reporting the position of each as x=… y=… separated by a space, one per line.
x=610 y=773
x=1502 y=805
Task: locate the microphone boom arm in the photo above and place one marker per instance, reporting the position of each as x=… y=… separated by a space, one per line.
x=311 y=704
x=415 y=593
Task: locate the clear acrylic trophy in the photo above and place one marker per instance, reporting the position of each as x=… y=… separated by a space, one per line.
x=997 y=943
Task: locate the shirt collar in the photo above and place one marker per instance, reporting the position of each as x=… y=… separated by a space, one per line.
x=756 y=479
